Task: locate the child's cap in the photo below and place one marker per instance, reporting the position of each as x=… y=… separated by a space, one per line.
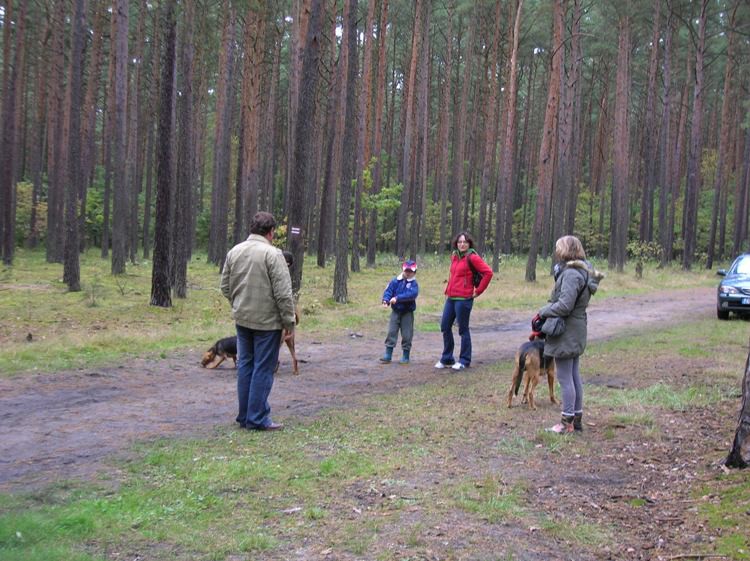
x=409 y=265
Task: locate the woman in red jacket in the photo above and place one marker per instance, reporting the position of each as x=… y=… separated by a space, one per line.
x=460 y=294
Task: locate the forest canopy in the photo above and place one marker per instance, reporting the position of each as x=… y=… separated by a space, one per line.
x=157 y=128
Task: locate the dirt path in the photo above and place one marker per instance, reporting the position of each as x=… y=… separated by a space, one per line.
x=65 y=425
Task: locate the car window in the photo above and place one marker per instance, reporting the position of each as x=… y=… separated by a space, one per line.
x=743 y=267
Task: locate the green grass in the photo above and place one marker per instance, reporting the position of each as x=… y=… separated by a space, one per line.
x=111 y=319
x=726 y=505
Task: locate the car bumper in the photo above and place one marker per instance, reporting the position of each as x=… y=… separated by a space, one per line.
x=734 y=303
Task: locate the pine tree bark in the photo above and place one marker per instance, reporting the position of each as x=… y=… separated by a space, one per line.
x=490 y=130
x=457 y=186
x=303 y=151
x=504 y=195
x=341 y=272
x=547 y=148
x=620 y=214
x=334 y=147
x=251 y=108
x=55 y=110
x=665 y=153
x=377 y=172
x=720 y=187
x=160 y=275
x=9 y=139
x=76 y=179
x=217 y=239
x=648 y=140
x=119 y=138
x=408 y=133
x=185 y=156
x=363 y=132
x=690 y=234
x=739 y=455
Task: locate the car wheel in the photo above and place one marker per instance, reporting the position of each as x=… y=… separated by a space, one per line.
x=722 y=314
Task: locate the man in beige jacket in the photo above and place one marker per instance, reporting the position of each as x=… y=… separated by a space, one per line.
x=256 y=282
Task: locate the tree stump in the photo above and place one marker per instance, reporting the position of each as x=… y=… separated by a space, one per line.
x=739 y=455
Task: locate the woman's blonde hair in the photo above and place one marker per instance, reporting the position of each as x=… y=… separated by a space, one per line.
x=569 y=248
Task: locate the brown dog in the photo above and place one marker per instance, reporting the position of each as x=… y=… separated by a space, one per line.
x=290 y=344
x=530 y=364
x=224 y=349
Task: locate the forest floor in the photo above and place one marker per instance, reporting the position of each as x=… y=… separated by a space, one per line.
x=71 y=425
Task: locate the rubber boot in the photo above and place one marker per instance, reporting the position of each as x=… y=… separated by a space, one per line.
x=565 y=426
x=387 y=356
x=578 y=422
x=404 y=358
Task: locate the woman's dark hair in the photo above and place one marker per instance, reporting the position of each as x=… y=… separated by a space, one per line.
x=289 y=258
x=467 y=236
x=262 y=223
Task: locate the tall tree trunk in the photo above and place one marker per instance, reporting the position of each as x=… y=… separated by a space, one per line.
x=363 y=132
x=334 y=147
x=151 y=119
x=303 y=152
x=457 y=186
x=37 y=141
x=160 y=275
x=444 y=131
x=119 y=139
x=408 y=134
x=9 y=140
x=89 y=114
x=648 y=140
x=490 y=131
x=377 y=172
x=76 y=178
x=340 y=273
x=547 y=148
x=185 y=155
x=217 y=239
x=721 y=156
x=739 y=455
x=696 y=147
x=665 y=153
x=621 y=167
x=55 y=170
x=251 y=106
x=504 y=195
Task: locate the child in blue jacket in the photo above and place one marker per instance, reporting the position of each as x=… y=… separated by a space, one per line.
x=401 y=295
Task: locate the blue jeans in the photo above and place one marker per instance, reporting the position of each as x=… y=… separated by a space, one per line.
x=458 y=311
x=257 y=355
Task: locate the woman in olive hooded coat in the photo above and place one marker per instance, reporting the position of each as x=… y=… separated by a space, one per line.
x=575 y=282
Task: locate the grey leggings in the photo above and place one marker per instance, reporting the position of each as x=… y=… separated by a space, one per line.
x=571 y=387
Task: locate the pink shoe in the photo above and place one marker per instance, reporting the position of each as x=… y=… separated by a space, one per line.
x=565 y=426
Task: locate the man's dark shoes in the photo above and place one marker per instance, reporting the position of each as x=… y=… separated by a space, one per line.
x=272 y=426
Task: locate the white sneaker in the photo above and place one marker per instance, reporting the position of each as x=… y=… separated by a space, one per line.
x=458 y=366
x=439 y=364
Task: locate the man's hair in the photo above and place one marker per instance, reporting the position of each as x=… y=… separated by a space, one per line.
x=466 y=235
x=569 y=248
x=262 y=223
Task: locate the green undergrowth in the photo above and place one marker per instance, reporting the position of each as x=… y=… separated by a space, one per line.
x=348 y=480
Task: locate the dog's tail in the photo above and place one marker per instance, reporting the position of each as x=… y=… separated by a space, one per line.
x=520 y=367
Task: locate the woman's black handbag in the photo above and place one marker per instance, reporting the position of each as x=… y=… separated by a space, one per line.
x=553 y=327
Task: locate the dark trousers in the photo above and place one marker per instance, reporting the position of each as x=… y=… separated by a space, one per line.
x=257 y=355
x=403 y=321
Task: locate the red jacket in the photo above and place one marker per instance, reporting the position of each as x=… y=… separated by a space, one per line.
x=460 y=280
